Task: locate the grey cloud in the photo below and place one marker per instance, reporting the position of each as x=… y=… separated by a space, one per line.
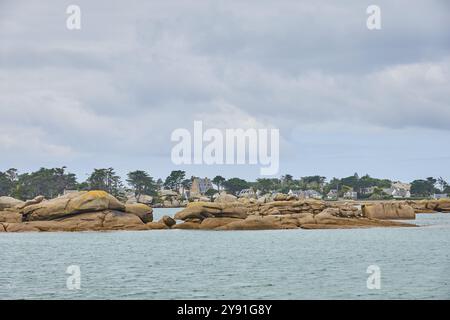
x=138 y=70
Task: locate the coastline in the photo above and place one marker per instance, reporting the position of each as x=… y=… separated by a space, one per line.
x=100 y=211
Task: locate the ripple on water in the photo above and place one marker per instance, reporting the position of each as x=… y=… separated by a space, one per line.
x=275 y=264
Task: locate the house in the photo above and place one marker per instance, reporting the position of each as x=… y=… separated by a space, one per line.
x=305 y=194
x=247 y=193
x=200 y=186
x=399 y=190
x=438 y=196
x=66 y=191
x=368 y=190
x=351 y=195
x=332 y=195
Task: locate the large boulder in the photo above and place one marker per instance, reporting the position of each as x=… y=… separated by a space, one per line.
x=116 y=220
x=9 y=202
x=443 y=205
x=10 y=216
x=203 y=210
x=187 y=225
x=35 y=200
x=72 y=203
x=388 y=210
x=144 y=212
x=225 y=198
x=213 y=223
x=145 y=199
x=156 y=226
x=280 y=197
x=90 y=221
x=167 y=221
x=256 y=223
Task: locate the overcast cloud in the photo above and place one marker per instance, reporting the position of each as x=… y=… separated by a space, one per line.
x=345 y=98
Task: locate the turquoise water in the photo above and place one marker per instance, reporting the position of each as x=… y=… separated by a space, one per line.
x=183 y=264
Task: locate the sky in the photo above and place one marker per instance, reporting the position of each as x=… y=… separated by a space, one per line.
x=345 y=98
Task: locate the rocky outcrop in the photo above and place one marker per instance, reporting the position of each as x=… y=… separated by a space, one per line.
x=156 y=226
x=388 y=210
x=213 y=223
x=281 y=214
x=188 y=225
x=10 y=216
x=141 y=210
x=79 y=211
x=9 y=202
x=72 y=203
x=167 y=221
x=93 y=221
x=27 y=203
x=429 y=206
x=203 y=210
x=225 y=198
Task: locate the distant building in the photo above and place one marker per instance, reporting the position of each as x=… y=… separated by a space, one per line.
x=351 y=195
x=368 y=190
x=247 y=193
x=438 y=196
x=332 y=195
x=69 y=191
x=399 y=190
x=306 y=194
x=200 y=186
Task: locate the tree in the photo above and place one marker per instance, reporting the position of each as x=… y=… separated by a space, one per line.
x=186 y=184
x=379 y=194
x=287 y=179
x=442 y=184
x=159 y=184
x=312 y=182
x=234 y=185
x=142 y=183
x=47 y=182
x=345 y=189
x=218 y=181
x=266 y=185
x=8 y=181
x=210 y=193
x=105 y=179
x=174 y=180
x=423 y=188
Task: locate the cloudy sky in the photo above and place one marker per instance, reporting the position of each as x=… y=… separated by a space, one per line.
x=344 y=98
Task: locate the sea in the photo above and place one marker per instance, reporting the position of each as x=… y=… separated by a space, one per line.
x=377 y=263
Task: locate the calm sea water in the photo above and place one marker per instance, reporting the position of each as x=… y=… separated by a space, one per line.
x=182 y=264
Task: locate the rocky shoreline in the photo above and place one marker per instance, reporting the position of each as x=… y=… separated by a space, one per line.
x=100 y=211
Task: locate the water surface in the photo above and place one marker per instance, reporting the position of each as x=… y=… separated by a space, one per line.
x=189 y=264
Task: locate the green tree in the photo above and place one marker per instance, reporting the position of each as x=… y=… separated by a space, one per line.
x=312 y=182
x=174 y=180
x=423 y=188
x=210 y=193
x=47 y=182
x=186 y=184
x=234 y=185
x=287 y=179
x=105 y=179
x=442 y=184
x=218 y=181
x=142 y=183
x=266 y=185
x=159 y=184
x=8 y=182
